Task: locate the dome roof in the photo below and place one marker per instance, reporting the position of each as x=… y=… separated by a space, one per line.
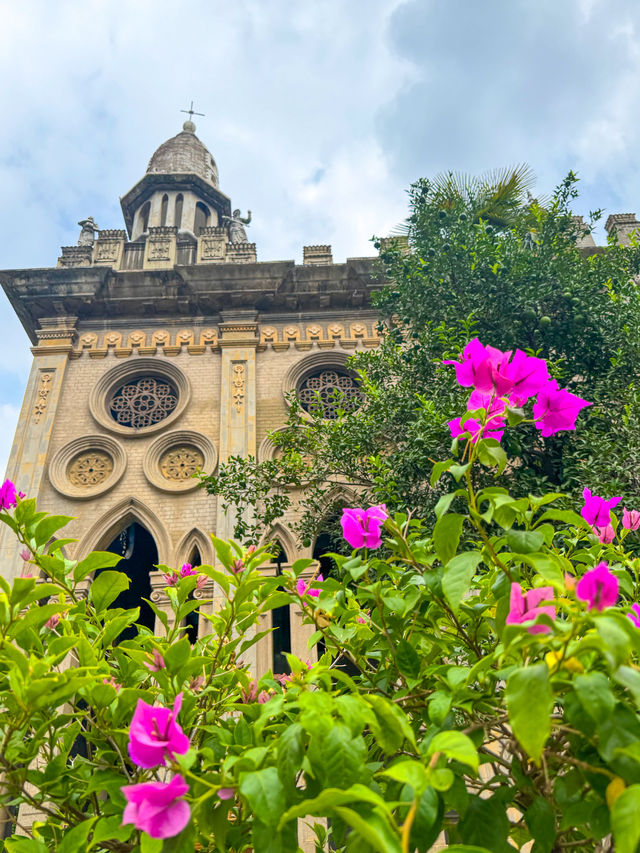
x=184 y=154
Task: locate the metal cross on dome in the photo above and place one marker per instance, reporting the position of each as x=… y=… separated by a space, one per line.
x=191 y=112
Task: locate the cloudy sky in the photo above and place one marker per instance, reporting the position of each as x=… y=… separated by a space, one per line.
x=319 y=113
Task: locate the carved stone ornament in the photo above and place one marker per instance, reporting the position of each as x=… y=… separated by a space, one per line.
x=181 y=462
x=238 y=390
x=90 y=468
x=106 y=250
x=213 y=248
x=143 y=402
x=159 y=250
x=42 y=395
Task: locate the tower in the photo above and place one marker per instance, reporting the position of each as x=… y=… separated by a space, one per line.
x=162 y=349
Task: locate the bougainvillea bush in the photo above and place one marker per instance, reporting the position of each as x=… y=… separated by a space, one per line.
x=478 y=677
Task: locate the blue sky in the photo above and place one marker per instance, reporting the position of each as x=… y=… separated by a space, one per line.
x=319 y=114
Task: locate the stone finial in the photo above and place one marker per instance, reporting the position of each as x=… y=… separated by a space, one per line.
x=89 y=227
x=316 y=255
x=585 y=238
x=622 y=225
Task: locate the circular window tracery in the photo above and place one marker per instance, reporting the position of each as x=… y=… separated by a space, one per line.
x=143 y=402
x=181 y=463
x=326 y=392
x=90 y=469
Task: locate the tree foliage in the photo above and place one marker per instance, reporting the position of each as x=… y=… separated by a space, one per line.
x=483 y=261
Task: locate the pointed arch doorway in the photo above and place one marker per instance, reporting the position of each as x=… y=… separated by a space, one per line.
x=139 y=555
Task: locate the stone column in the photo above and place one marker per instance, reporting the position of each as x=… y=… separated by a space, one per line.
x=37 y=417
x=238 y=342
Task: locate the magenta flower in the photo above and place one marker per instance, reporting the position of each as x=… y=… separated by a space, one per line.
x=598 y=587
x=25 y=554
x=8 y=495
x=171 y=580
x=597 y=511
x=630 y=519
x=201 y=581
x=521 y=377
x=225 y=793
x=475 y=369
x=156 y=807
x=303 y=588
x=635 y=615
x=556 y=409
x=361 y=527
x=187 y=569
x=154 y=734
x=156 y=663
x=237 y=566
x=52 y=622
x=494 y=425
x=526 y=608
x=605 y=534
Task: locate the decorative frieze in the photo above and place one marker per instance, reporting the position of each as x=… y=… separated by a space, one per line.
x=238 y=383
x=241 y=253
x=75 y=256
x=212 y=245
x=317 y=255
x=161 y=246
x=45 y=384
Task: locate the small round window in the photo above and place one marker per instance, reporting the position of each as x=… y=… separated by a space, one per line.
x=143 y=402
x=329 y=391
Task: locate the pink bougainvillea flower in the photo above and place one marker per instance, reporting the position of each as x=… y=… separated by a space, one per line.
x=303 y=588
x=25 y=554
x=634 y=615
x=520 y=377
x=526 y=607
x=605 y=534
x=8 y=495
x=556 y=409
x=197 y=683
x=157 y=808
x=155 y=735
x=171 y=580
x=201 y=581
x=225 y=793
x=630 y=519
x=598 y=587
x=156 y=663
x=187 y=569
x=361 y=527
x=252 y=549
x=597 y=511
x=494 y=425
x=112 y=683
x=52 y=622
x=475 y=369
x=237 y=566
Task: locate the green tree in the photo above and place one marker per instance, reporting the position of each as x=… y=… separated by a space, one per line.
x=484 y=259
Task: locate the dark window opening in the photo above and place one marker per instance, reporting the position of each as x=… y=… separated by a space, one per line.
x=164 y=209
x=144 y=217
x=327 y=392
x=178 y=216
x=281 y=623
x=202 y=218
x=193 y=618
x=139 y=556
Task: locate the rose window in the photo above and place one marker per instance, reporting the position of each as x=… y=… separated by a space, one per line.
x=90 y=469
x=143 y=402
x=326 y=392
x=181 y=463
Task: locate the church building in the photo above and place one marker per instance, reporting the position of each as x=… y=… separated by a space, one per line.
x=167 y=347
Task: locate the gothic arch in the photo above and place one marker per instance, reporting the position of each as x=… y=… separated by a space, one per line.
x=284 y=536
x=114 y=520
x=194 y=539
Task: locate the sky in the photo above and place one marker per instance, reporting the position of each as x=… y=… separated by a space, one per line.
x=319 y=114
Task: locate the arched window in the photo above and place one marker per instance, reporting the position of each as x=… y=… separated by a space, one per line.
x=139 y=556
x=144 y=216
x=164 y=209
x=329 y=391
x=192 y=619
x=178 y=217
x=202 y=218
x=281 y=623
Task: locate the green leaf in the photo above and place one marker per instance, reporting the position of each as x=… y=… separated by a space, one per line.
x=264 y=792
x=438 y=470
x=390 y=726
x=329 y=798
x=224 y=553
x=149 y=844
x=491 y=454
x=529 y=704
x=372 y=829
x=409 y=773
x=45 y=529
x=75 y=839
x=408 y=659
x=524 y=541
x=486 y=821
x=540 y=819
x=457 y=576
x=106 y=588
x=624 y=820
x=177 y=655
x=94 y=561
x=456 y=746
x=290 y=754
x=443 y=504
x=446 y=536
x=467 y=848
x=595 y=695
x=17 y=844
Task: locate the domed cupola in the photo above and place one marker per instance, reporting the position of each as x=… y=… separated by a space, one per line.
x=179 y=190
